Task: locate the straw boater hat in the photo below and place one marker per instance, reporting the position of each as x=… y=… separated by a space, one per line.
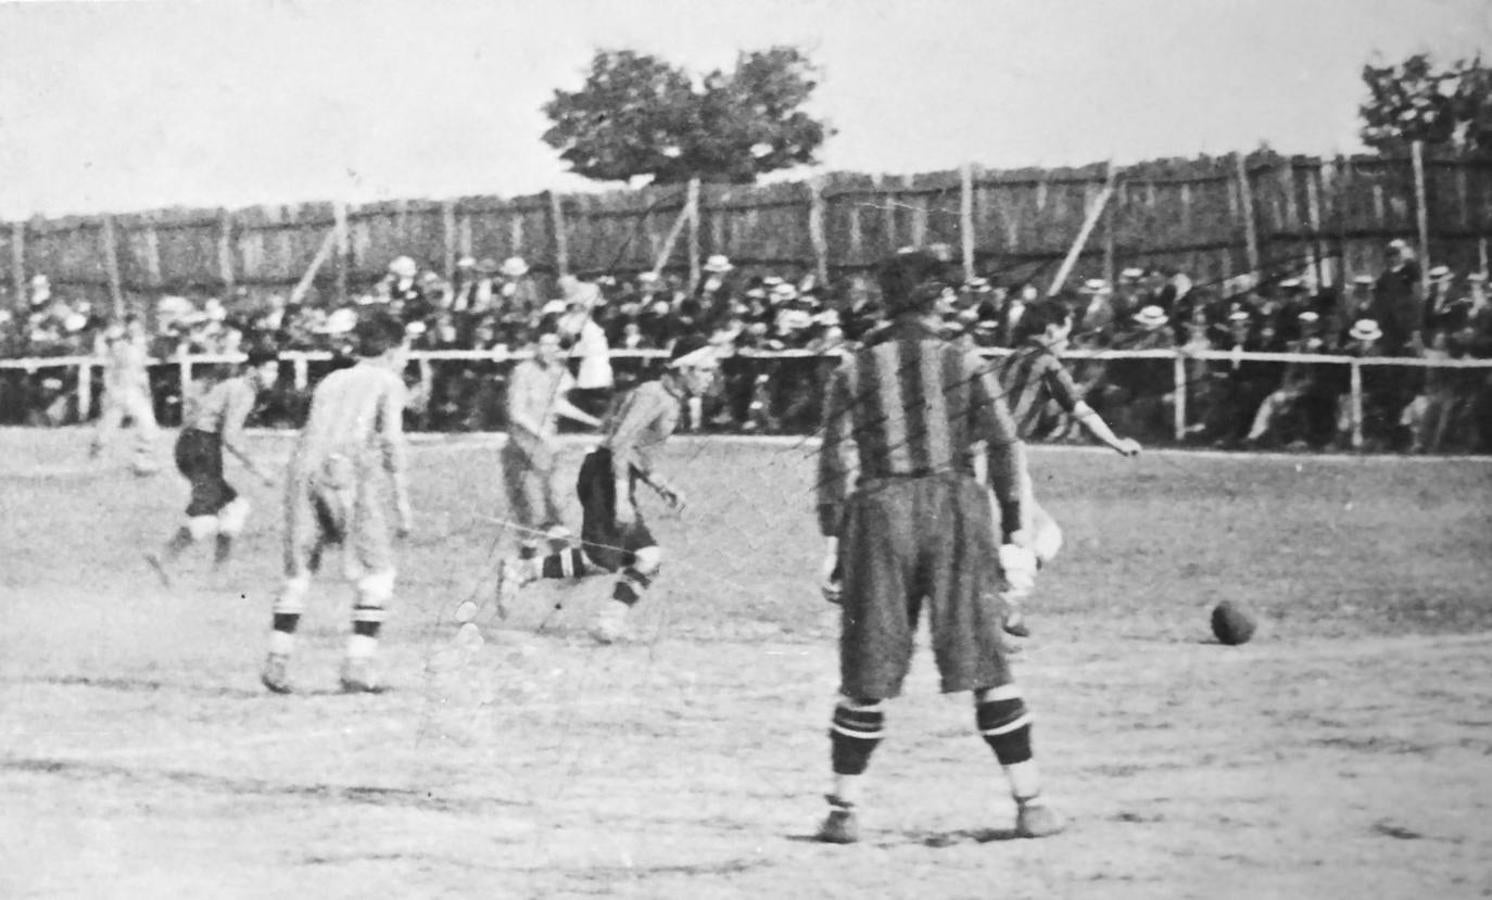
x=466 y=262
x=514 y=267
x=1440 y=273
x=782 y=292
x=1094 y=286
x=1152 y=317
x=977 y=285
x=1477 y=277
x=1239 y=315
x=718 y=263
x=553 y=308
x=1291 y=284
x=1363 y=280
x=404 y=267
x=1365 y=330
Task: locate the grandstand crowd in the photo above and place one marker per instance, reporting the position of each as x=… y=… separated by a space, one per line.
x=754 y=316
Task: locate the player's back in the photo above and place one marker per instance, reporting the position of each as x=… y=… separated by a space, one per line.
x=126 y=363
x=911 y=399
x=356 y=413
x=645 y=418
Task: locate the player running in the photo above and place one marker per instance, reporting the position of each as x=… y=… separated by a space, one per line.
x=217 y=424
x=1038 y=389
x=918 y=528
x=614 y=537
x=349 y=455
x=127 y=393
x=536 y=400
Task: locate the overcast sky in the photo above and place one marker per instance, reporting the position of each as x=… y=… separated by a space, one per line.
x=134 y=105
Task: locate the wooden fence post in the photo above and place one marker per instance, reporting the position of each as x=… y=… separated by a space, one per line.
x=1313 y=221
x=343 y=231
x=1355 y=405
x=1178 y=402
x=966 y=217
x=302 y=371
x=816 y=231
x=1421 y=215
x=18 y=265
x=111 y=264
x=85 y=391
x=1246 y=200
x=557 y=232
x=225 y=250
x=449 y=236
x=692 y=207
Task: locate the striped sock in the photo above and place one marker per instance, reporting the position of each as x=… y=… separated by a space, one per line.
x=854 y=733
x=630 y=586
x=564 y=564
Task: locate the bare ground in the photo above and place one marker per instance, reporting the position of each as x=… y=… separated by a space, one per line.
x=1346 y=752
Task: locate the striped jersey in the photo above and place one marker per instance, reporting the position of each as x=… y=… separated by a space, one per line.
x=646 y=418
x=913 y=405
x=1031 y=378
x=224 y=410
x=357 y=413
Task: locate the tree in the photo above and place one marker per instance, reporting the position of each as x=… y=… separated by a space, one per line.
x=1418 y=101
x=638 y=115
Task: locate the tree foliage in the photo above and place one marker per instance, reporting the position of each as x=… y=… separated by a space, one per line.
x=638 y=115
x=1416 y=100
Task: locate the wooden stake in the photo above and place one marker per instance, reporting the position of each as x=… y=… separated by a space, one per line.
x=343 y=231
x=1094 y=212
x=1178 y=397
x=1246 y=199
x=153 y=256
x=691 y=206
x=557 y=230
x=111 y=264
x=1313 y=219
x=225 y=250
x=1422 y=215
x=18 y=265
x=816 y=231
x=966 y=217
x=448 y=233
x=671 y=240
x=322 y=255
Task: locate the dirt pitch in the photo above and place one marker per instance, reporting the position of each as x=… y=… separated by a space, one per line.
x=1346 y=752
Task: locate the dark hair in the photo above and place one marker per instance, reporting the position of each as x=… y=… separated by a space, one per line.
x=377 y=333
x=911 y=281
x=1042 y=313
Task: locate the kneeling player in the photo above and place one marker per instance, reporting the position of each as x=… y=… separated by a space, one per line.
x=216 y=424
x=614 y=538
x=350 y=451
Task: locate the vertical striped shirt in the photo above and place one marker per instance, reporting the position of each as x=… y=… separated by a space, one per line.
x=224 y=410
x=1031 y=378
x=646 y=418
x=913 y=405
x=357 y=413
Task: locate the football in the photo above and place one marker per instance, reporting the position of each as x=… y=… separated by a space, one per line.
x=1232 y=623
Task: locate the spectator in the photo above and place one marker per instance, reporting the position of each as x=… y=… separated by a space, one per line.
x=1397 y=306
x=586 y=341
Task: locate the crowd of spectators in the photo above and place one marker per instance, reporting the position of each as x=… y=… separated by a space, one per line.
x=754 y=317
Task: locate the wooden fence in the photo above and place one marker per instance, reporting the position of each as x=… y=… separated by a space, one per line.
x=1211 y=217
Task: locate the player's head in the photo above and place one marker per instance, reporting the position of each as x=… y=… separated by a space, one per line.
x=915 y=283
x=547 y=346
x=1050 y=320
x=693 y=362
x=263 y=364
x=379 y=335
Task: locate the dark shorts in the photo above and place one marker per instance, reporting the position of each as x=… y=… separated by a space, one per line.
x=915 y=543
x=199 y=456
x=606 y=542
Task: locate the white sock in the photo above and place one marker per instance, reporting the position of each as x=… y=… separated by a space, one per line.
x=1025 y=780
x=848 y=787
x=281 y=642
x=361 y=646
